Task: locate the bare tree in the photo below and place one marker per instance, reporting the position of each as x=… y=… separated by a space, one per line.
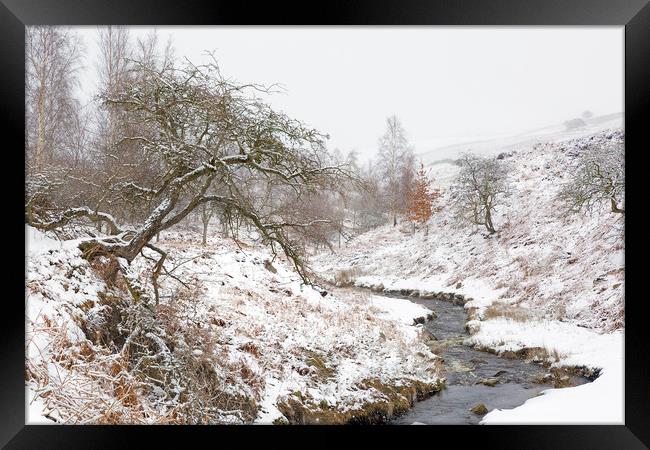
x=407 y=181
x=207 y=211
x=54 y=132
x=598 y=178
x=53 y=59
x=394 y=151
x=120 y=165
x=480 y=184
x=366 y=200
x=115 y=52
x=208 y=131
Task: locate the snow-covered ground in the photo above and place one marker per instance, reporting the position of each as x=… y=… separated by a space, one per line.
x=599 y=402
x=562 y=276
x=269 y=336
x=545 y=280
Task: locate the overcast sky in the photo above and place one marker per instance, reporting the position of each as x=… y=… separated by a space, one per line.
x=443 y=82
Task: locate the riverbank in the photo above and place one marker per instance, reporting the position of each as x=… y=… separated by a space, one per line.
x=553 y=344
x=564 y=345
x=237 y=339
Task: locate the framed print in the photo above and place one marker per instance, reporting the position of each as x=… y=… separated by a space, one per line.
x=364 y=214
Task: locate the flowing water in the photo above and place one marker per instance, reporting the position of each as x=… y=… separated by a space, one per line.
x=513 y=380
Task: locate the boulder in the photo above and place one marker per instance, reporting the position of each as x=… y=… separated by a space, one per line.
x=490 y=382
x=479 y=409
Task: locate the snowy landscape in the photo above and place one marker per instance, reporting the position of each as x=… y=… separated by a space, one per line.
x=197 y=254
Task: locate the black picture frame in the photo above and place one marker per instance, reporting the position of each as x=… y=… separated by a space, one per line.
x=15 y=14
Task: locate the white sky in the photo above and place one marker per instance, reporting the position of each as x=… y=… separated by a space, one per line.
x=443 y=82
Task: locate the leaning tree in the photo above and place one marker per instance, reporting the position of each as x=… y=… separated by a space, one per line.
x=207 y=136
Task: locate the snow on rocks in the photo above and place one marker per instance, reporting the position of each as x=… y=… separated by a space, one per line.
x=598 y=402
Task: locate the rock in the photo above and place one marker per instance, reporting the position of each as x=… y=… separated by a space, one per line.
x=598 y=280
x=415 y=293
x=499 y=373
x=218 y=322
x=459 y=285
x=490 y=382
x=472 y=326
x=418 y=320
x=428 y=336
x=432 y=316
x=268 y=266
x=479 y=409
x=427 y=295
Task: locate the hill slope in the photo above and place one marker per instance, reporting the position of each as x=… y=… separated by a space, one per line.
x=544 y=281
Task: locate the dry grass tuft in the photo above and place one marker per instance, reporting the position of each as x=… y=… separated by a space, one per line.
x=346 y=277
x=504 y=310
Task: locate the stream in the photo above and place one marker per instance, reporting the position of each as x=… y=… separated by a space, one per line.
x=513 y=380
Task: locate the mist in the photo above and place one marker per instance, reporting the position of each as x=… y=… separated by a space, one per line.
x=447 y=84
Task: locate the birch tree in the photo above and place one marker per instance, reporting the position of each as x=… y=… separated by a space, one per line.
x=394 y=155
x=54 y=131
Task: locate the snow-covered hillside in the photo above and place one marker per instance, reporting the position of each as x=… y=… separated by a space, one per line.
x=244 y=329
x=441 y=149
x=562 y=267
x=538 y=282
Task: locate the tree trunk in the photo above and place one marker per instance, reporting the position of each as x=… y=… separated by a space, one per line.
x=488 y=221
x=204 y=242
x=615 y=207
x=40 y=143
x=30 y=213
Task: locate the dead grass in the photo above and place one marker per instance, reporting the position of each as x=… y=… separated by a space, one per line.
x=142 y=365
x=346 y=277
x=504 y=310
